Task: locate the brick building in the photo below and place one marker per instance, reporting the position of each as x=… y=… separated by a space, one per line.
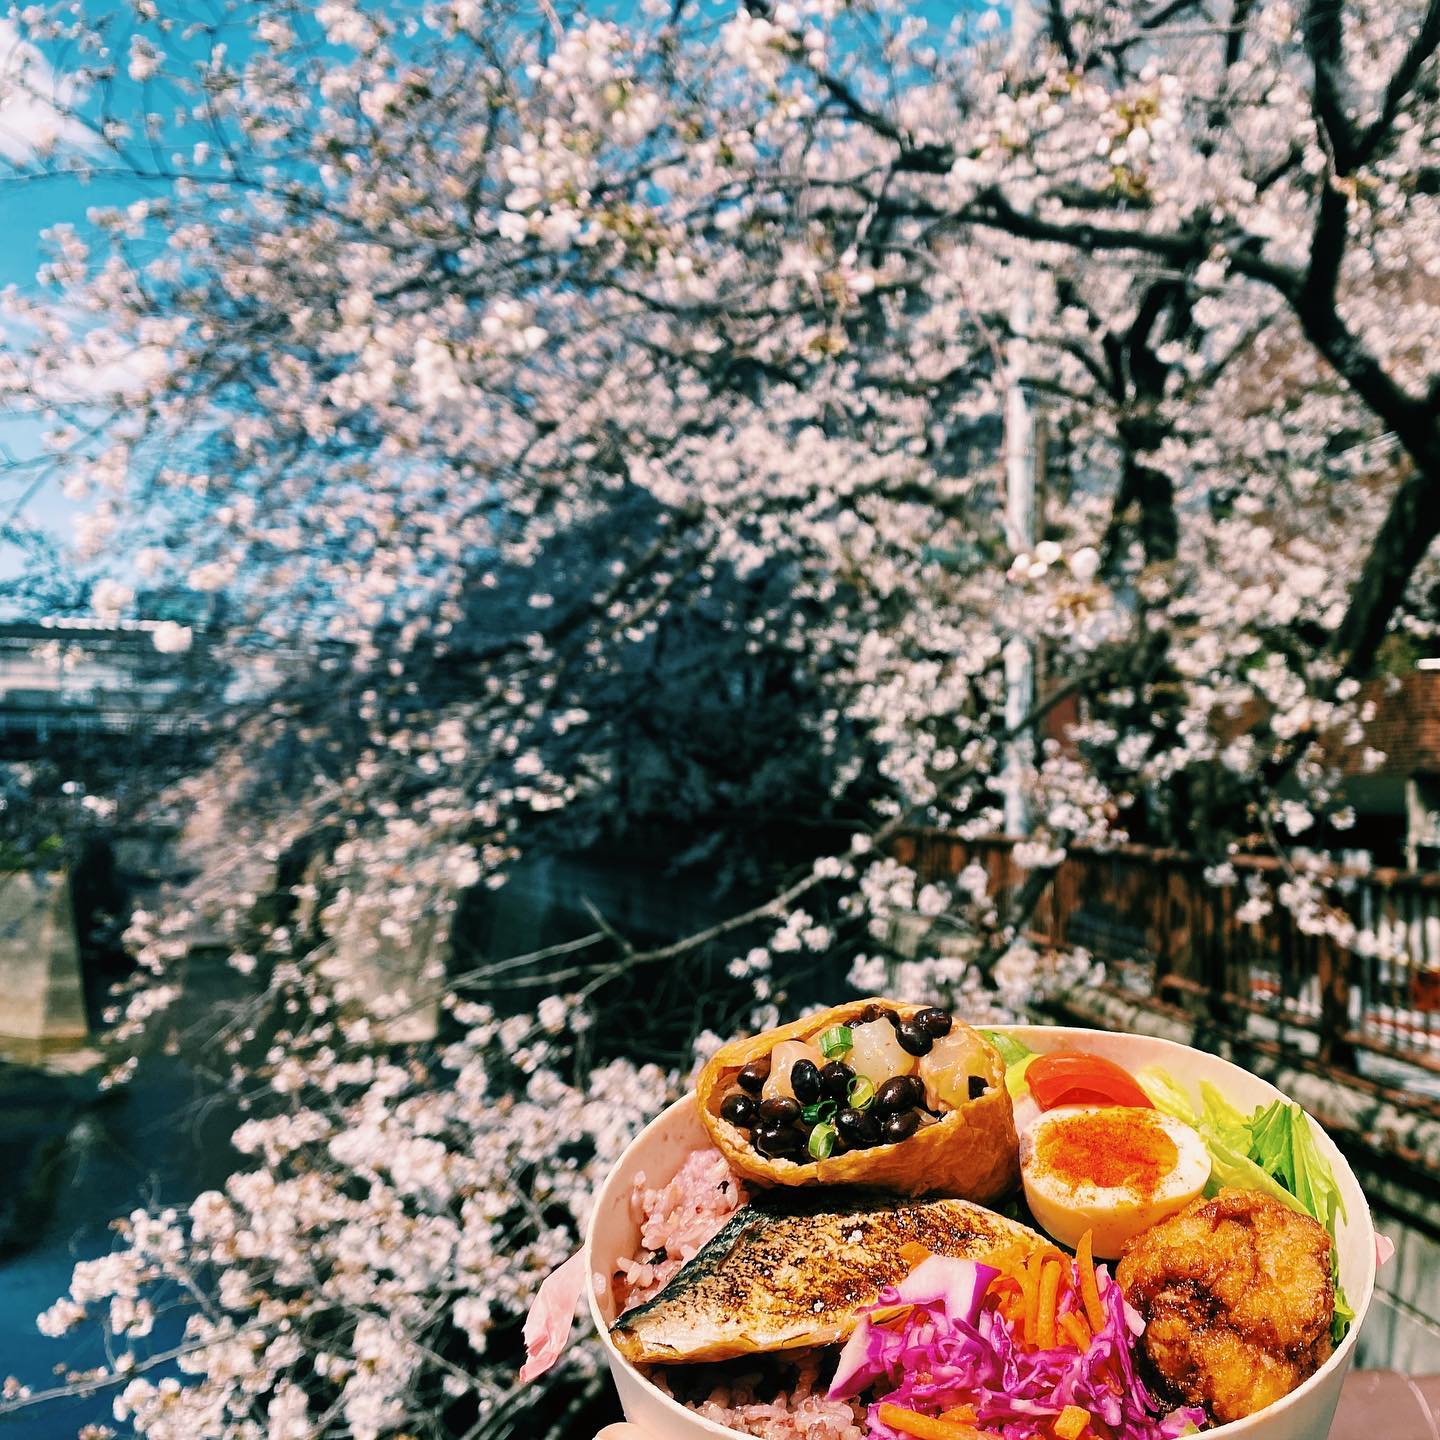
x=1397 y=802
x=1392 y=776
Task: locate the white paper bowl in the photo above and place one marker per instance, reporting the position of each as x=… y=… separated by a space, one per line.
x=660 y=1149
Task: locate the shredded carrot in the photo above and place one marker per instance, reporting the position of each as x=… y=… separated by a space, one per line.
x=962 y=1413
x=1089 y=1288
x=1072 y=1423
x=1075 y=1330
x=927 y=1427
x=913 y=1254
x=1045 y=1305
x=1034 y=1272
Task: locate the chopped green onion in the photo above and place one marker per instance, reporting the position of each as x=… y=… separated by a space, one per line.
x=836 y=1041
x=821 y=1113
x=860 y=1093
x=822 y=1142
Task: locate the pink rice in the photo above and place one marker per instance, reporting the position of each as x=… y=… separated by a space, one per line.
x=676 y=1220
x=801 y=1413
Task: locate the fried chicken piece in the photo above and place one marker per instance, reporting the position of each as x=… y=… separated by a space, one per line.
x=1237 y=1300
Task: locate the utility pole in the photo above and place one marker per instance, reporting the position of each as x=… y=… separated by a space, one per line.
x=1020 y=536
x=1019 y=507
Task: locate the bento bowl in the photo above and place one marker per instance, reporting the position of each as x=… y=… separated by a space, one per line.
x=663 y=1146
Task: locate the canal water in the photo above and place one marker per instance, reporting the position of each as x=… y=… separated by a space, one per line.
x=73 y=1160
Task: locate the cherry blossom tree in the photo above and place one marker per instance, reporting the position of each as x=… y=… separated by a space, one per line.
x=533 y=375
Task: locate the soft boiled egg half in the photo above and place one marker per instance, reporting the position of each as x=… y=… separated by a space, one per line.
x=1114 y=1170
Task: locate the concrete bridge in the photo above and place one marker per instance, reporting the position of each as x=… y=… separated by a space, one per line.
x=42 y=981
x=54 y=953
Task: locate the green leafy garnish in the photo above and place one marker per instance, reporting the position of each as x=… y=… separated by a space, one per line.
x=836 y=1041
x=1017 y=1057
x=821 y=1112
x=1222 y=1116
x=860 y=1093
x=1167 y=1097
x=1011 y=1050
x=1284 y=1144
x=1344 y=1316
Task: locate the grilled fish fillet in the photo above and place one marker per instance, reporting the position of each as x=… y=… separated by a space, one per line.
x=793 y=1268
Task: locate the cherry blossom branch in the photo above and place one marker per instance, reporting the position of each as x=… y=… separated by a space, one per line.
x=1421 y=51
x=94 y=1383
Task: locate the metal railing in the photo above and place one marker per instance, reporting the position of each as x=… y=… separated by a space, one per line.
x=1366 y=981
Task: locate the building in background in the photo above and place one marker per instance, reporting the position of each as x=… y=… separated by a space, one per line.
x=1397 y=798
x=66 y=677
x=1391 y=775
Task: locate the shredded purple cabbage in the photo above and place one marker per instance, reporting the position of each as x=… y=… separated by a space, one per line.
x=935 y=1360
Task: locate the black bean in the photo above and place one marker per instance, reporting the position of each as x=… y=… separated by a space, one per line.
x=893 y=1016
x=835 y=1080
x=754 y=1075
x=895 y=1095
x=934 y=1021
x=777 y=1141
x=857 y=1128
x=805 y=1081
x=978 y=1086
x=900 y=1127
x=779 y=1110
x=738 y=1108
x=913 y=1040
x=869 y=1014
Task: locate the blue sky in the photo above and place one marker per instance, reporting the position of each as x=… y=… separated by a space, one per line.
x=30 y=206
x=30 y=209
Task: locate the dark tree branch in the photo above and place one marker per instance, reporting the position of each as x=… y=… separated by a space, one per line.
x=1408 y=531
x=1164 y=14
x=1059 y=25
x=1235 y=37
x=1324 y=43
x=993 y=209
x=1422 y=49
x=1327 y=250
x=1144 y=27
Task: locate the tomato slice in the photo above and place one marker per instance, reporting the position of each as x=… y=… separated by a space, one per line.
x=1075 y=1077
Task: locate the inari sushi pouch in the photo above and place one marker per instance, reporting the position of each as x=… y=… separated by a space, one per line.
x=901 y=1097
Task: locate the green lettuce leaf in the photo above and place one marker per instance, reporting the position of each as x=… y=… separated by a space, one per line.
x=1166 y=1096
x=1344 y=1316
x=1011 y=1050
x=1017 y=1056
x=1282 y=1141
x=1223 y=1117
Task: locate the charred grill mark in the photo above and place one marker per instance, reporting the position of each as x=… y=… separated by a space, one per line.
x=789 y=1268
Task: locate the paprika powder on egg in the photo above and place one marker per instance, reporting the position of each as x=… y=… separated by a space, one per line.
x=1112 y=1148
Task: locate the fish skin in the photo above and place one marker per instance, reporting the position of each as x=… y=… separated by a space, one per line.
x=793 y=1268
